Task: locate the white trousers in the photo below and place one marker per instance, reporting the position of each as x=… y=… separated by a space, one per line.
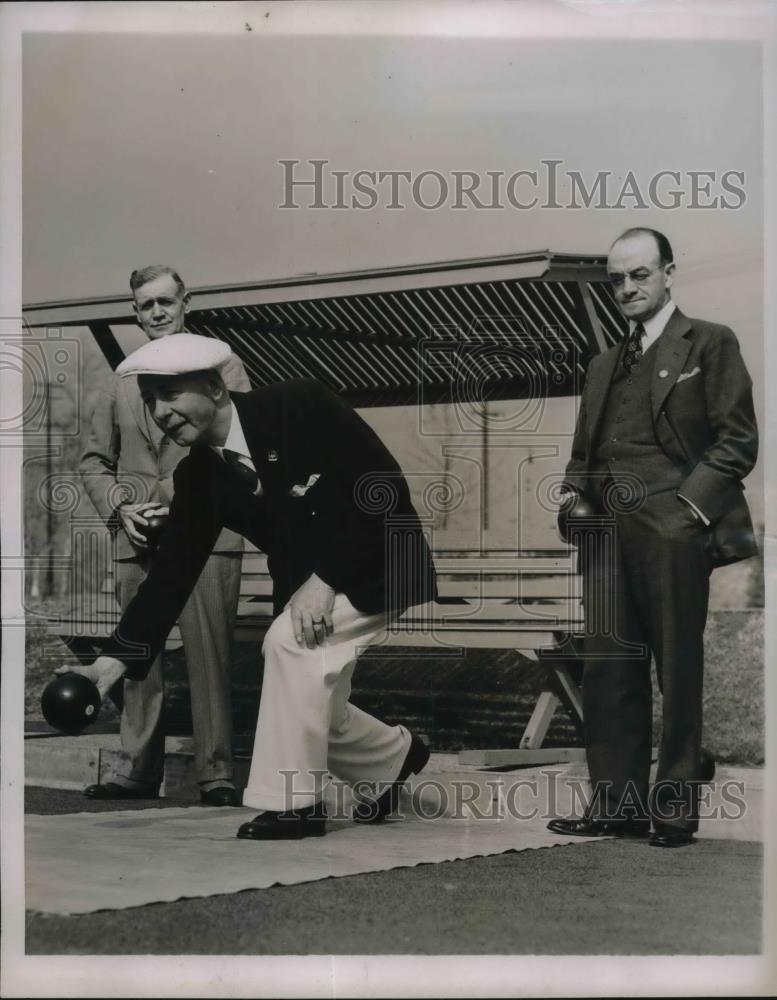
x=306 y=724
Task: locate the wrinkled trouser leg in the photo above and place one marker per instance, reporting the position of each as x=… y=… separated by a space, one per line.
x=617 y=694
x=306 y=724
x=207 y=623
x=671 y=570
x=651 y=582
x=142 y=726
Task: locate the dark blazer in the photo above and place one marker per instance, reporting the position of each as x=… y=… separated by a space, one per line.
x=335 y=527
x=703 y=418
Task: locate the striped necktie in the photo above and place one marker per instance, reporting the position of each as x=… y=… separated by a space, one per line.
x=633 y=353
x=246 y=473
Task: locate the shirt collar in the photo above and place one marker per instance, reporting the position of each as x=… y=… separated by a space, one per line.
x=654 y=326
x=236 y=440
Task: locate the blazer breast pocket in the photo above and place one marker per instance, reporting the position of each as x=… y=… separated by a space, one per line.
x=300 y=490
x=687 y=376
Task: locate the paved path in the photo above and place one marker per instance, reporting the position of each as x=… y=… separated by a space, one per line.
x=616 y=898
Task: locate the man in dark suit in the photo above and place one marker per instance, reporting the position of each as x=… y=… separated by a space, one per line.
x=665 y=435
x=294 y=470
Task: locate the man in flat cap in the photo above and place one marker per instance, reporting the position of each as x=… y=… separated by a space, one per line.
x=292 y=468
x=127 y=470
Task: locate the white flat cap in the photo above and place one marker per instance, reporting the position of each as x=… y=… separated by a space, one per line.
x=176 y=354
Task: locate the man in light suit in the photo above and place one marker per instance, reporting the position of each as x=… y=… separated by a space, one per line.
x=297 y=472
x=127 y=470
x=665 y=435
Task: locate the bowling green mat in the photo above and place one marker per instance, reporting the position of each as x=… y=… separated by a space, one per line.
x=82 y=862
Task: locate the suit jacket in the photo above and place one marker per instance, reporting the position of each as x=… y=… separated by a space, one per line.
x=334 y=525
x=704 y=421
x=127 y=457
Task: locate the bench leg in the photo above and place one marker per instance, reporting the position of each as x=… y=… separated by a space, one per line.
x=531 y=752
x=566 y=692
x=570 y=693
x=522 y=758
x=537 y=727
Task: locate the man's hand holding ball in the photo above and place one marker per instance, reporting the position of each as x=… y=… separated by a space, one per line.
x=104 y=672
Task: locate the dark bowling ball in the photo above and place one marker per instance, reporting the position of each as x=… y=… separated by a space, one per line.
x=153 y=529
x=70 y=703
x=575 y=513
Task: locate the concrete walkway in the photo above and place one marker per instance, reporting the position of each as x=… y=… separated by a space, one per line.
x=731 y=809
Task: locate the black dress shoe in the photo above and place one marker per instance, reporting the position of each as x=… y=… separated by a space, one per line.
x=599 y=828
x=307 y=822
x=110 y=790
x=672 y=838
x=221 y=797
x=375 y=812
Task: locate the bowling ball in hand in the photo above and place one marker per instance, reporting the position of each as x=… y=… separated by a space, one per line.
x=575 y=513
x=153 y=529
x=70 y=703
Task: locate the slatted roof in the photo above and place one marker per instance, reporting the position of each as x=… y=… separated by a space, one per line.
x=489 y=328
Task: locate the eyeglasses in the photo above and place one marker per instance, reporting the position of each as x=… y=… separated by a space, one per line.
x=638 y=276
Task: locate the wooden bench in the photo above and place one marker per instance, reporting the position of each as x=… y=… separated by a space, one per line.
x=528 y=601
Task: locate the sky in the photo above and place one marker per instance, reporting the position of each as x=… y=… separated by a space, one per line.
x=141 y=148
x=148 y=147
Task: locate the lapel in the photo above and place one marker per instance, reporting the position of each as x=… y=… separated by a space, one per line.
x=600 y=373
x=262 y=435
x=152 y=433
x=672 y=349
x=157 y=436
x=143 y=421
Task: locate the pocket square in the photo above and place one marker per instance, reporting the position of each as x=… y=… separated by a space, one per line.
x=684 y=375
x=300 y=491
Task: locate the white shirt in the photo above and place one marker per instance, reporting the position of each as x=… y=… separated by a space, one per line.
x=654 y=326
x=236 y=441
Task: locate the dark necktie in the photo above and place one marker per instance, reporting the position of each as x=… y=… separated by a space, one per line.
x=633 y=353
x=246 y=473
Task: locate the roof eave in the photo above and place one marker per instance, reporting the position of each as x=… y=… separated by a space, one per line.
x=541 y=264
